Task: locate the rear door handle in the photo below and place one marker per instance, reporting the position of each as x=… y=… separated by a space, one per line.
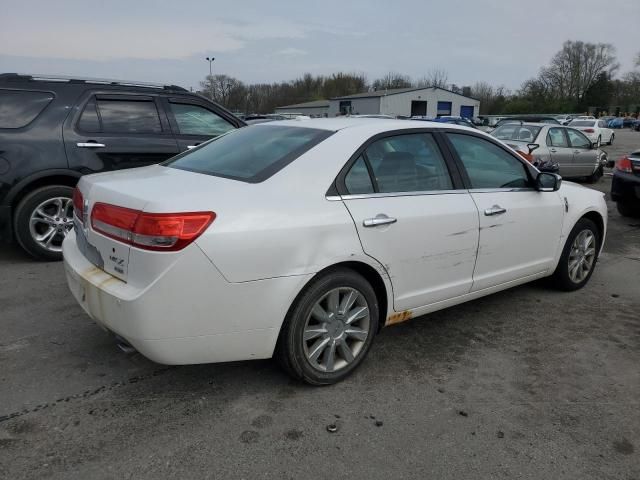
x=90 y=145
x=495 y=210
x=552 y=150
x=380 y=219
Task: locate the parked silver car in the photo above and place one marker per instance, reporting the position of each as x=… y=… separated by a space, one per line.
x=543 y=144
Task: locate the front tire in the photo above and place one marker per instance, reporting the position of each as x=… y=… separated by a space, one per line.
x=42 y=220
x=579 y=256
x=611 y=139
x=329 y=328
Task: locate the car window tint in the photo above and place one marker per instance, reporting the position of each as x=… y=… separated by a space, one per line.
x=408 y=163
x=487 y=165
x=521 y=133
x=358 y=179
x=19 y=108
x=252 y=153
x=556 y=138
x=129 y=116
x=578 y=140
x=197 y=120
x=89 y=121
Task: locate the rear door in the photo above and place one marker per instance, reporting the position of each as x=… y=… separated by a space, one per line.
x=116 y=131
x=560 y=150
x=520 y=227
x=194 y=121
x=412 y=217
x=585 y=157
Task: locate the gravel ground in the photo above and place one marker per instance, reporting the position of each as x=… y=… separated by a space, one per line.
x=527 y=383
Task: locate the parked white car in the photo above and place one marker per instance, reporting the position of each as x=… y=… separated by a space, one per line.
x=595 y=130
x=301 y=239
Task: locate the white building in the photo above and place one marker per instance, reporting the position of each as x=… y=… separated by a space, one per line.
x=407 y=102
x=317 y=108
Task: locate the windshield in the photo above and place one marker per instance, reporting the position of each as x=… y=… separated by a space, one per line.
x=251 y=154
x=582 y=123
x=520 y=133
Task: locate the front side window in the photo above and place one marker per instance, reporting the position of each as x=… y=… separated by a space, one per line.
x=129 y=116
x=577 y=139
x=251 y=154
x=487 y=165
x=408 y=163
x=556 y=138
x=19 y=108
x=197 y=120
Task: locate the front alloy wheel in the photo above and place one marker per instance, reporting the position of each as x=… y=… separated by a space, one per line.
x=579 y=256
x=582 y=256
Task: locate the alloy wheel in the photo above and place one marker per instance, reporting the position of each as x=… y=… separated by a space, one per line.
x=582 y=256
x=50 y=222
x=337 y=329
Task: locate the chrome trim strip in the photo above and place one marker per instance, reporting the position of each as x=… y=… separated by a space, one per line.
x=496 y=190
x=361 y=196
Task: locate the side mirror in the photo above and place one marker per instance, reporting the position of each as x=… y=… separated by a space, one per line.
x=548 y=182
x=532 y=147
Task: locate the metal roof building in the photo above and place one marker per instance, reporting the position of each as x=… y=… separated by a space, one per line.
x=428 y=101
x=317 y=108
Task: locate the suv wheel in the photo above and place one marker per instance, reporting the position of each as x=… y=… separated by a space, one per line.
x=42 y=220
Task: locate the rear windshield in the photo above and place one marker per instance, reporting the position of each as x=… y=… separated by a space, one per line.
x=513 y=131
x=19 y=108
x=582 y=123
x=250 y=154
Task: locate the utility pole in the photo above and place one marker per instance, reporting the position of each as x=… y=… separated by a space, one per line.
x=210 y=60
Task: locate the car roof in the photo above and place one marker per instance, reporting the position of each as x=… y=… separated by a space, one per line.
x=379 y=125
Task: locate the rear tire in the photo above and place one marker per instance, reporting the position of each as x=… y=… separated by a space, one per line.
x=611 y=139
x=627 y=210
x=599 y=142
x=41 y=234
x=324 y=347
x=582 y=243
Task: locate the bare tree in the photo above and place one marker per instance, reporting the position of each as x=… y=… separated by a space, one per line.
x=392 y=80
x=434 y=78
x=222 y=89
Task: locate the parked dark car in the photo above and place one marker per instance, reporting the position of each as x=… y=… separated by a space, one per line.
x=54 y=130
x=625 y=185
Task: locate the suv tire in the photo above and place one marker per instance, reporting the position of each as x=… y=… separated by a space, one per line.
x=42 y=220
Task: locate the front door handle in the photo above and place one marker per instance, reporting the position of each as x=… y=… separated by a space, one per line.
x=90 y=145
x=495 y=210
x=380 y=219
x=552 y=150
x=189 y=147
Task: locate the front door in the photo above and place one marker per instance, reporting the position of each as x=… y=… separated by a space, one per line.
x=560 y=151
x=520 y=227
x=116 y=131
x=412 y=219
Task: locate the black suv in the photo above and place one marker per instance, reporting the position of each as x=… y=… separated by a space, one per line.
x=54 y=130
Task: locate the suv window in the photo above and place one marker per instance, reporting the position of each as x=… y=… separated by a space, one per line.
x=556 y=138
x=19 y=108
x=250 y=154
x=358 y=179
x=487 y=165
x=128 y=116
x=577 y=139
x=196 y=120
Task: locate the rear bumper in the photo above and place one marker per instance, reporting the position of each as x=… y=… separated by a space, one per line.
x=625 y=187
x=190 y=314
x=6 y=230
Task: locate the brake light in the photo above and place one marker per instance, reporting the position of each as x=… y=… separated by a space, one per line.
x=150 y=231
x=588 y=130
x=77 y=201
x=624 y=165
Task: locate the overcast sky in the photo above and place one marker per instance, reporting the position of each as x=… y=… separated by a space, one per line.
x=501 y=42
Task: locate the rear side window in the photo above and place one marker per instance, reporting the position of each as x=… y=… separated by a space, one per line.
x=197 y=120
x=358 y=180
x=129 y=116
x=251 y=154
x=19 y=108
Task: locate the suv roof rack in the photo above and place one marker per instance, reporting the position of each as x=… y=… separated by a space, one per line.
x=88 y=80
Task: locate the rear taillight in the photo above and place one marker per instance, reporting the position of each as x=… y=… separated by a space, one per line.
x=588 y=130
x=77 y=203
x=624 y=165
x=150 y=231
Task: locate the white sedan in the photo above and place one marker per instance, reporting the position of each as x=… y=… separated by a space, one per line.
x=301 y=239
x=596 y=130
